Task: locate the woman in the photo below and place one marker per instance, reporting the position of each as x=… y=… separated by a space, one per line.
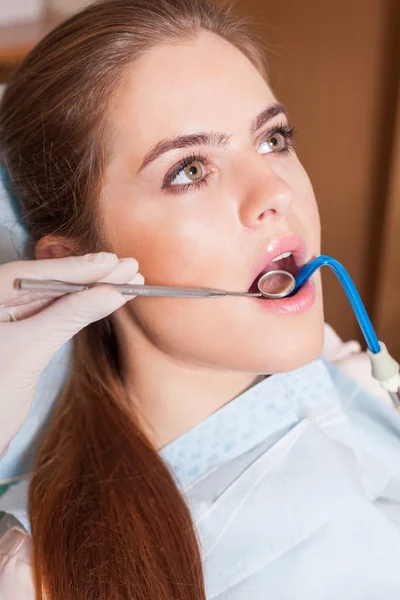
x=148 y=130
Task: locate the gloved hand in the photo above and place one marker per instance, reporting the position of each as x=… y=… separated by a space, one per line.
x=34 y=324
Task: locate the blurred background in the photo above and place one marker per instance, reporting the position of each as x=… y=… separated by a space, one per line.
x=335 y=64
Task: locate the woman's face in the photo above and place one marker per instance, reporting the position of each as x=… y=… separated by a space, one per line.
x=217 y=219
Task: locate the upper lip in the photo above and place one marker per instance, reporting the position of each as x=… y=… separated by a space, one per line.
x=290 y=243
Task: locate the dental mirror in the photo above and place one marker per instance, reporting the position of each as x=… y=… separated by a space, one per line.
x=276 y=284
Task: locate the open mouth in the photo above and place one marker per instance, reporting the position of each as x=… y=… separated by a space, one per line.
x=284 y=262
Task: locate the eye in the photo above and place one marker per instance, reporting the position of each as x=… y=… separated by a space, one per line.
x=189 y=173
x=274 y=142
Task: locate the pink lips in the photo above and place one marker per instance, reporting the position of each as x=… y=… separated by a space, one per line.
x=306 y=296
x=294 y=305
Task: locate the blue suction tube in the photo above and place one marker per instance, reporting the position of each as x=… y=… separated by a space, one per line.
x=351 y=291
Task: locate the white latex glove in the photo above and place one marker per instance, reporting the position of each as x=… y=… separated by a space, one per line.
x=34 y=325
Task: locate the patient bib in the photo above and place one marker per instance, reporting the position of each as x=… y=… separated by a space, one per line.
x=294 y=488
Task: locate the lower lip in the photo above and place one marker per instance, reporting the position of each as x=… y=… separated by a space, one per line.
x=294 y=305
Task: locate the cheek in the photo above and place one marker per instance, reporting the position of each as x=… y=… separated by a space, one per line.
x=183 y=240
x=229 y=334
x=314 y=218
x=306 y=207
x=170 y=249
x=311 y=216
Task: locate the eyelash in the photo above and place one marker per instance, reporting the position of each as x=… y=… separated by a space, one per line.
x=286 y=131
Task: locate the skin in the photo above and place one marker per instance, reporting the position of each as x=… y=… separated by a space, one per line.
x=185 y=358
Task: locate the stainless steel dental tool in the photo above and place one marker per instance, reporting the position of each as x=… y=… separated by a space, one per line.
x=274 y=284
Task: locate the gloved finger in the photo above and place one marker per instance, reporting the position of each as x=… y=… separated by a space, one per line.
x=59 y=322
x=30 y=297
x=78 y=269
x=24 y=311
x=125 y=269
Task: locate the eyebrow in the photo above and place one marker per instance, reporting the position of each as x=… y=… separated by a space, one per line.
x=212 y=138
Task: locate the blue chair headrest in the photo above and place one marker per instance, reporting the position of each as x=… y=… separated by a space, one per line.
x=16 y=244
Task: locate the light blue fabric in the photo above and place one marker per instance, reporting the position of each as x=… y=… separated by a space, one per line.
x=16 y=244
x=14 y=238
x=294 y=488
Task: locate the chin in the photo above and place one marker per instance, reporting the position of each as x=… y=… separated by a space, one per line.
x=286 y=343
x=299 y=357
x=295 y=350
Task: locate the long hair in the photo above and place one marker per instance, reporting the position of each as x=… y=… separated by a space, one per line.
x=108 y=521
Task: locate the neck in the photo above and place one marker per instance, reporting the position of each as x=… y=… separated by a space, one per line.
x=170 y=394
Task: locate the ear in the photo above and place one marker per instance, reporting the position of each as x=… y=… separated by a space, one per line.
x=55 y=246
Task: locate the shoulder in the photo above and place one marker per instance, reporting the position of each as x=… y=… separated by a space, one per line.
x=15 y=561
x=351 y=360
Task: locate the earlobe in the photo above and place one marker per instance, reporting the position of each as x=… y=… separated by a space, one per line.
x=53 y=246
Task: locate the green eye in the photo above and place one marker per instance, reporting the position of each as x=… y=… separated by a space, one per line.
x=194 y=171
x=276 y=141
x=190 y=171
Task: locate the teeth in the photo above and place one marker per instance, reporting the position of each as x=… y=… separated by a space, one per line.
x=281 y=256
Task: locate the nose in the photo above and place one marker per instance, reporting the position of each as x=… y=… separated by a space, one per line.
x=266 y=195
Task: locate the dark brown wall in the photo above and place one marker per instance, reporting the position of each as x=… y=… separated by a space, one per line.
x=387 y=308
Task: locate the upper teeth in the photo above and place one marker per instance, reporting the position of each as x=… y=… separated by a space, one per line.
x=281 y=256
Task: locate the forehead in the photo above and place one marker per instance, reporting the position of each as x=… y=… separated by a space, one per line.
x=203 y=83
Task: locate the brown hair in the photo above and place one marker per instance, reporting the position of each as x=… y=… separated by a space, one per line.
x=108 y=521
